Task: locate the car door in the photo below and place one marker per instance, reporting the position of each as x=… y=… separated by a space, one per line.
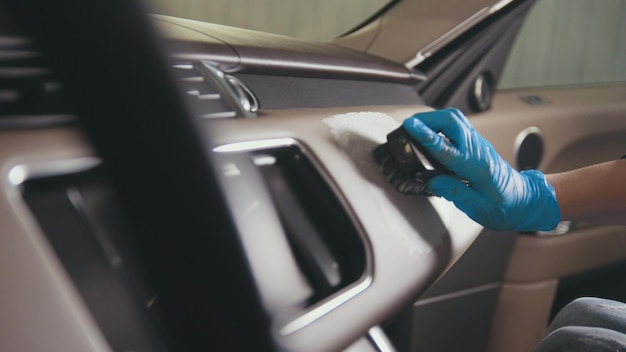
x=558 y=106
x=561 y=105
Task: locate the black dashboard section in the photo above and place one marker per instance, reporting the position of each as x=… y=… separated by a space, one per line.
x=278 y=92
x=30 y=94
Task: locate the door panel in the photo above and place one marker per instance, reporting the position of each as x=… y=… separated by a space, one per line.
x=579 y=127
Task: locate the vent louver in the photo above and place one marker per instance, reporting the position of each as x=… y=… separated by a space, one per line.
x=213 y=94
x=29 y=94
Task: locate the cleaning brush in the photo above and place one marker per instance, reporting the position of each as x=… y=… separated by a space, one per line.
x=406 y=164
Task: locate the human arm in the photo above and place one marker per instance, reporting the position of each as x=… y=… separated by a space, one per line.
x=482 y=184
x=595 y=193
x=500 y=197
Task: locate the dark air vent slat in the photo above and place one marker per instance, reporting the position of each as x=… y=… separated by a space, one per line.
x=213 y=95
x=202 y=97
x=30 y=96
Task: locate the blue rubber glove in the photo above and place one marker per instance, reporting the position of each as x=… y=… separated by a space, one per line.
x=498 y=196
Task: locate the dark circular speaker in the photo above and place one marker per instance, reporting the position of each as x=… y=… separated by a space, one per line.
x=529 y=148
x=481 y=92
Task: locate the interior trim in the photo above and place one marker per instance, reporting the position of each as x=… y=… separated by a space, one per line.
x=430 y=247
x=380 y=340
x=457 y=294
x=521 y=316
x=543 y=258
x=326 y=305
x=20 y=173
x=522 y=154
x=39 y=299
x=244 y=50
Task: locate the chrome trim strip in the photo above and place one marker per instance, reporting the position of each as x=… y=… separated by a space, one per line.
x=20 y=173
x=449 y=36
x=523 y=135
x=254 y=145
x=326 y=307
x=183 y=66
x=499 y=6
x=563 y=228
x=247 y=99
x=456 y=294
x=455 y=32
x=196 y=93
x=380 y=340
x=219 y=115
x=231 y=95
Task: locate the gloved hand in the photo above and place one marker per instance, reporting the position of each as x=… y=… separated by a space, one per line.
x=498 y=196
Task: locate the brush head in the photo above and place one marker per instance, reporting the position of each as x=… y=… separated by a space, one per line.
x=407 y=166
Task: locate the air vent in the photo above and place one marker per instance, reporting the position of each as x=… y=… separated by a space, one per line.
x=213 y=94
x=305 y=249
x=79 y=213
x=29 y=94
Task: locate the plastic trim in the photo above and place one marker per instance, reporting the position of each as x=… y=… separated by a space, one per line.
x=20 y=173
x=521 y=137
x=325 y=306
x=232 y=90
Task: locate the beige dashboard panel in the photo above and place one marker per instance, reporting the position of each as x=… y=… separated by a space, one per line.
x=41 y=310
x=541 y=258
x=521 y=317
x=403 y=263
x=38 y=298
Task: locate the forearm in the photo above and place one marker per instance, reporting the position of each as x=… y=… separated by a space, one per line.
x=595 y=193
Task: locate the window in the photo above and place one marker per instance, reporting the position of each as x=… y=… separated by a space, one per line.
x=320 y=20
x=569 y=42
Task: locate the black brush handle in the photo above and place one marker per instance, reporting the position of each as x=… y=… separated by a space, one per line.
x=410 y=156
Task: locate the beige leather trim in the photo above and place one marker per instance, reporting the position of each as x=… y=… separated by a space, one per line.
x=40 y=308
x=405 y=262
x=521 y=316
x=571 y=120
x=37 y=298
x=580 y=126
x=542 y=258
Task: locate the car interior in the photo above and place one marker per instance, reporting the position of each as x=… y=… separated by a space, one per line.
x=171 y=184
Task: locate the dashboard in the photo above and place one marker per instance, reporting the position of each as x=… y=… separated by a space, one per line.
x=289 y=126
